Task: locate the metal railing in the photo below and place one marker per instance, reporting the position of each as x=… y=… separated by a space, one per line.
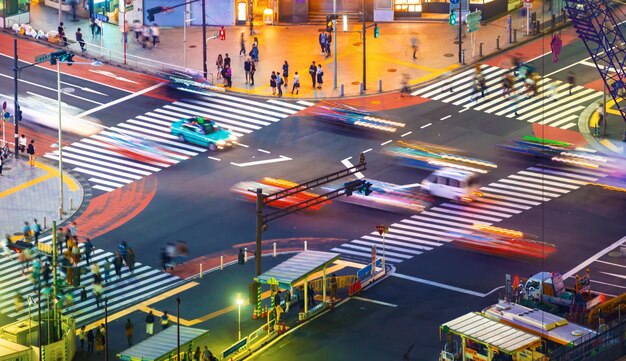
x=607 y=345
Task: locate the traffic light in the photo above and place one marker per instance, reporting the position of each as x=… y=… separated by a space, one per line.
x=153 y=11
x=376 y=30
x=62 y=56
x=329 y=22
x=56 y=55
x=453 y=19
x=352 y=186
x=18 y=114
x=365 y=189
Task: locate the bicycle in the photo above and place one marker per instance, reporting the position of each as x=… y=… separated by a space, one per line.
x=5 y=152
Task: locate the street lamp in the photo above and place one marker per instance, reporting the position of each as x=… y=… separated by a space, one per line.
x=239 y=303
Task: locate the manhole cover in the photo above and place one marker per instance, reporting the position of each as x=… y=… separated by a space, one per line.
x=192 y=46
x=615 y=254
x=356 y=83
x=357 y=44
x=448 y=55
x=67 y=90
x=392 y=70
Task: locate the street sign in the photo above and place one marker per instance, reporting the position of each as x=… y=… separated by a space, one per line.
x=382 y=229
x=129 y=7
x=528 y=5
x=454 y=2
x=473 y=20
x=101 y=17
x=41 y=58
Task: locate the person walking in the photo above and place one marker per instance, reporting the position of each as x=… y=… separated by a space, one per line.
x=22 y=143
x=273 y=82
x=76 y=255
x=155 y=32
x=285 y=74
x=320 y=76
x=165 y=321
x=296 y=83
x=136 y=30
x=252 y=71
x=92 y=26
x=124 y=30
x=129 y=332
x=327 y=42
x=98 y=291
x=106 y=267
x=164 y=259
x=36 y=230
x=414 y=47
x=145 y=35
x=482 y=84
x=74 y=232
x=226 y=60
x=117 y=264
x=62 y=37
x=130 y=260
x=80 y=40
x=311 y=295
x=242 y=44
x=313 y=73
x=197 y=355
x=1 y=163
x=246 y=69
x=255 y=49
x=322 y=41
x=90 y=340
x=333 y=287
x=251 y=23
x=45 y=273
x=99 y=341
x=279 y=84
x=170 y=249
x=571 y=80
x=150 y=324
x=81 y=337
x=219 y=64
x=287 y=301
x=88 y=250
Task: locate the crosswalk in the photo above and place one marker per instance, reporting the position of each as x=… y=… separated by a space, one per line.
x=501 y=200
x=107 y=169
x=121 y=292
x=553 y=105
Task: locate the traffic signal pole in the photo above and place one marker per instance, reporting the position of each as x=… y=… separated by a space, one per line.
x=364 y=45
x=460 y=20
x=204 y=66
x=335 y=42
x=16 y=107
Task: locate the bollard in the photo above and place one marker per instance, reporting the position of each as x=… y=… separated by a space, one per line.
x=553 y=21
x=71 y=204
x=245 y=255
x=537 y=27
x=200 y=269
x=341 y=90
x=274 y=249
x=44 y=222
x=515 y=35
x=361 y=91
x=221 y=262
x=305 y=245
x=60 y=213
x=480 y=50
x=498 y=43
x=380 y=85
x=463 y=56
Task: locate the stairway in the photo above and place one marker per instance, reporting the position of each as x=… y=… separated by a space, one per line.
x=320 y=18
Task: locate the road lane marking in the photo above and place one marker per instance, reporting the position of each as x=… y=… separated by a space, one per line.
x=445 y=286
x=611 y=263
x=614 y=275
x=464 y=109
x=346 y=162
x=446 y=117
x=367 y=150
x=304 y=102
x=263 y=151
x=217 y=159
x=374 y=301
x=51 y=89
x=243 y=145
x=405 y=134
x=120 y=100
x=426 y=125
x=282 y=158
x=86 y=89
x=387 y=142
x=593 y=258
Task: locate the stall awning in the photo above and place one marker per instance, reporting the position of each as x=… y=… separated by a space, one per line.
x=297 y=268
x=159 y=346
x=480 y=328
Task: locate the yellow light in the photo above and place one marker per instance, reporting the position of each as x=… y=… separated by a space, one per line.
x=268 y=12
x=239 y=300
x=491 y=229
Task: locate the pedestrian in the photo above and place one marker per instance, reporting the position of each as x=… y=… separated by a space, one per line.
x=300 y=298
x=22 y=143
x=313 y=72
x=83 y=294
x=414 y=47
x=333 y=287
x=95 y=270
x=165 y=321
x=92 y=26
x=327 y=42
x=207 y=355
x=228 y=75
x=320 y=75
x=27 y=232
x=246 y=69
x=506 y=85
x=155 y=32
x=150 y=324
x=277 y=300
x=106 y=267
x=197 y=355
x=226 y=60
x=130 y=261
x=74 y=5
x=219 y=63
x=571 y=80
x=254 y=53
x=285 y=74
x=81 y=337
x=117 y=265
x=46 y=272
x=311 y=295
x=252 y=71
x=600 y=112
x=124 y=29
x=251 y=23
x=36 y=230
x=99 y=30
x=74 y=232
x=279 y=84
x=475 y=88
x=88 y=250
x=79 y=39
x=129 y=332
x=98 y=291
x=273 y=82
x=90 y=340
x=287 y=301
x=137 y=30
x=18 y=300
x=75 y=255
x=145 y=34
x=552 y=91
x=171 y=254
x=322 y=41
x=62 y=37
x=482 y=84
x=242 y=43
x=1 y=163
x=99 y=341
x=183 y=251
x=296 y=83
x=122 y=248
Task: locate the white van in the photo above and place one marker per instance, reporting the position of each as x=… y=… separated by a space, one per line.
x=452 y=184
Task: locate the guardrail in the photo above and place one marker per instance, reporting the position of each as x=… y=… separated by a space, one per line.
x=250 y=343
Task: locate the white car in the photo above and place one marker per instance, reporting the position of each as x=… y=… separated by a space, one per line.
x=455 y=184
x=42 y=112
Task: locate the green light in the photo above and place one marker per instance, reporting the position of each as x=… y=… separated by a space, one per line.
x=376 y=31
x=453 y=20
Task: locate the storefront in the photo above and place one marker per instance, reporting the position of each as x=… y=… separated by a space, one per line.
x=14 y=12
x=407 y=8
x=109 y=8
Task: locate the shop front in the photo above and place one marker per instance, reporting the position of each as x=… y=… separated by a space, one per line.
x=108 y=8
x=14 y=12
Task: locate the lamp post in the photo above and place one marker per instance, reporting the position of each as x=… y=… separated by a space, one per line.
x=239 y=303
x=178 y=327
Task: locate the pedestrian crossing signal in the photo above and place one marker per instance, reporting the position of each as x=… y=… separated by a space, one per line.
x=376 y=31
x=453 y=19
x=329 y=22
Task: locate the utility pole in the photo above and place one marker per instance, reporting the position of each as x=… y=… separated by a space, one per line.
x=204 y=66
x=106 y=328
x=460 y=32
x=178 y=327
x=16 y=104
x=364 y=45
x=39 y=321
x=335 y=42
x=258 y=253
x=62 y=209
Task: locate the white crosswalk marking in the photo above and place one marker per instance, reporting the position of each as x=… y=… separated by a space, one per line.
x=127 y=289
x=107 y=168
x=433 y=228
x=553 y=106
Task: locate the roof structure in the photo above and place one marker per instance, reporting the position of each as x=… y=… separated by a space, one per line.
x=479 y=328
x=297 y=268
x=160 y=345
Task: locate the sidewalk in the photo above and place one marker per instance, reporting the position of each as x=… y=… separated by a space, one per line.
x=208 y=303
x=614 y=139
x=388 y=57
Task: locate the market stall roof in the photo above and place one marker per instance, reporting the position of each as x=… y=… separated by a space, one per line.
x=297 y=267
x=480 y=328
x=159 y=346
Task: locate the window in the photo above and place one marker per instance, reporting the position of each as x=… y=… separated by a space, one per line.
x=410 y=6
x=432 y=178
x=454 y=183
x=442 y=180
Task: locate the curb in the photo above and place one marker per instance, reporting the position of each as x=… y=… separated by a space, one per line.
x=583 y=126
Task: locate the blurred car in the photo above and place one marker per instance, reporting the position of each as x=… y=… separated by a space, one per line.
x=139 y=149
x=389 y=197
x=343 y=114
x=45 y=113
x=203 y=132
x=272 y=185
x=454 y=184
x=189 y=80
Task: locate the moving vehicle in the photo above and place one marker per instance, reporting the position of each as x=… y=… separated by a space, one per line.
x=142 y=150
x=272 y=185
x=454 y=184
x=41 y=111
x=203 y=132
x=344 y=114
x=189 y=80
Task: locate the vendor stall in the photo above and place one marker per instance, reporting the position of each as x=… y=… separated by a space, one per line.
x=163 y=345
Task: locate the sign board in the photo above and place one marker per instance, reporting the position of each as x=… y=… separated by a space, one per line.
x=528 y=5
x=382 y=229
x=473 y=20
x=367 y=270
x=129 y=7
x=101 y=17
x=557 y=282
x=41 y=58
x=454 y=2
